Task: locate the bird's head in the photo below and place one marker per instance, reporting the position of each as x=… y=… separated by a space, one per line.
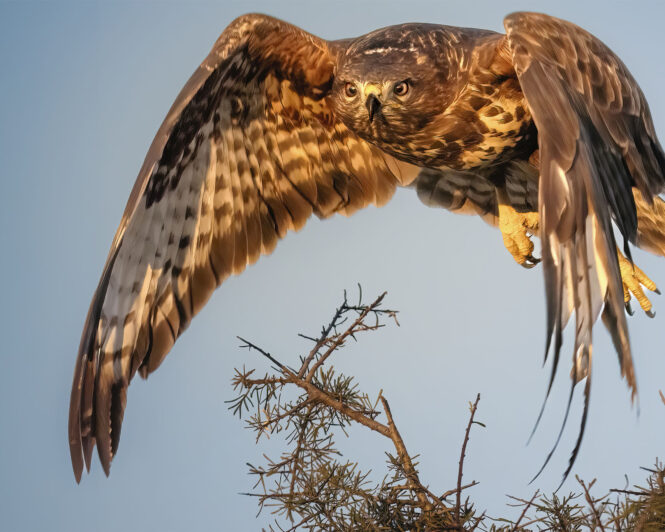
x=391 y=84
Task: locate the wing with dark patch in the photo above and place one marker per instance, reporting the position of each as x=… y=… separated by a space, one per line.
x=458 y=191
x=474 y=192
x=249 y=151
x=596 y=141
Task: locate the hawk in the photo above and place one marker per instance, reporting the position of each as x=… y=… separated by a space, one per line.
x=542 y=131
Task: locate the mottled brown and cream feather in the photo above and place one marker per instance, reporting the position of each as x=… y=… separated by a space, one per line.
x=596 y=142
x=249 y=151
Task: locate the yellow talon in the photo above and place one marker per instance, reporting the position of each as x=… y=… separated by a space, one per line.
x=633 y=278
x=515 y=227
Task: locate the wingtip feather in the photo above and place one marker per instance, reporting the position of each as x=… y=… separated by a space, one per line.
x=74 y=425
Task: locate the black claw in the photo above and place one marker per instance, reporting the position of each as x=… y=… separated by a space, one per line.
x=629 y=309
x=656 y=291
x=650 y=313
x=530 y=261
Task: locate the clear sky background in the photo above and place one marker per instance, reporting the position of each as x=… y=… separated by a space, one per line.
x=84 y=87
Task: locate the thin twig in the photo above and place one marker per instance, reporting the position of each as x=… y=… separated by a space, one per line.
x=629 y=492
x=458 y=503
x=288 y=413
x=248 y=383
x=478 y=521
x=296 y=456
x=526 y=509
x=320 y=342
x=250 y=346
x=590 y=500
x=454 y=490
x=405 y=459
x=339 y=340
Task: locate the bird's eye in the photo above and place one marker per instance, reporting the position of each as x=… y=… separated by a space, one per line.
x=401 y=88
x=350 y=90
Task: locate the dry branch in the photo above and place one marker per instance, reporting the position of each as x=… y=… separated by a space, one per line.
x=310 y=488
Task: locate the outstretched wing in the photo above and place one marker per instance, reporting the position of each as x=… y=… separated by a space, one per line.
x=249 y=150
x=596 y=141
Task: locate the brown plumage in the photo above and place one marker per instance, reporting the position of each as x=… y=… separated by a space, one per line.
x=277 y=124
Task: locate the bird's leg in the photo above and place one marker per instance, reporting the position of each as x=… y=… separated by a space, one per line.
x=515 y=227
x=633 y=278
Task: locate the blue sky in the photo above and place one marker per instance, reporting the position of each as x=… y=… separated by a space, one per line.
x=84 y=88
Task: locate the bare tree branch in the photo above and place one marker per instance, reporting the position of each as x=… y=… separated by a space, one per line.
x=312 y=488
x=462 y=456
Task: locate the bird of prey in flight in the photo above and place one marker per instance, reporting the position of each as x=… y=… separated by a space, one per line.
x=542 y=131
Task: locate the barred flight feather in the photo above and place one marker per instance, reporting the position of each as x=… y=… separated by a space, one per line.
x=249 y=151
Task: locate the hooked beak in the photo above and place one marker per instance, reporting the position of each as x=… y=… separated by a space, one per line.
x=373 y=104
